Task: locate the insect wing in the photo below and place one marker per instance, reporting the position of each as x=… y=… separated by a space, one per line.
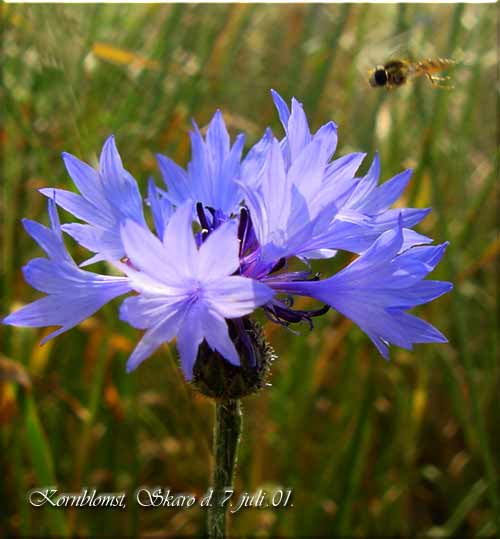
x=378 y=52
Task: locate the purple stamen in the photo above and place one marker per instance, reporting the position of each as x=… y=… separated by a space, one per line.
x=284 y=315
x=242 y=228
x=205 y=227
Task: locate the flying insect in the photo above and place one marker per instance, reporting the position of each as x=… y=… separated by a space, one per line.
x=397 y=72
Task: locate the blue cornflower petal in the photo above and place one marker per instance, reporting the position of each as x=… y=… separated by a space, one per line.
x=253 y=163
x=217 y=143
x=189 y=338
x=147 y=253
x=200 y=323
x=105 y=242
x=216 y=333
x=219 y=253
x=229 y=194
x=73 y=294
x=179 y=241
x=366 y=184
x=389 y=218
x=297 y=130
x=236 y=297
x=89 y=184
x=46 y=239
x=107 y=197
x=176 y=179
x=80 y=207
x=120 y=187
x=298 y=134
x=282 y=108
x=385 y=195
x=327 y=135
x=162 y=320
x=306 y=172
x=161 y=207
x=374 y=201
x=199 y=170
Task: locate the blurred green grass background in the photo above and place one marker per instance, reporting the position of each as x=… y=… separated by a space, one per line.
x=405 y=448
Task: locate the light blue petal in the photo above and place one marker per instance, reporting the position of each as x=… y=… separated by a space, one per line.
x=98 y=240
x=235 y=296
x=254 y=162
x=229 y=193
x=282 y=108
x=428 y=256
x=419 y=330
x=87 y=181
x=45 y=275
x=382 y=251
x=217 y=143
x=179 y=244
x=176 y=180
x=367 y=184
x=216 y=334
x=327 y=135
x=199 y=170
x=80 y=207
x=143 y=312
x=47 y=239
x=420 y=293
x=189 y=339
x=120 y=187
x=409 y=217
x=384 y=196
x=343 y=167
x=161 y=208
x=307 y=171
x=164 y=331
x=298 y=134
x=79 y=296
x=148 y=254
x=219 y=253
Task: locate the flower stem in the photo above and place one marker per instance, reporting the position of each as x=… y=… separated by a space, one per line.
x=226 y=438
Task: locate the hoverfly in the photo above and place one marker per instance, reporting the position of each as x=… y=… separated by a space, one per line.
x=396 y=72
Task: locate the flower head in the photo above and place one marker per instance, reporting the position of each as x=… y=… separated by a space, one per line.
x=287 y=199
x=185 y=291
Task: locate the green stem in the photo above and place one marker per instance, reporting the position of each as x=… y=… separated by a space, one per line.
x=226 y=438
